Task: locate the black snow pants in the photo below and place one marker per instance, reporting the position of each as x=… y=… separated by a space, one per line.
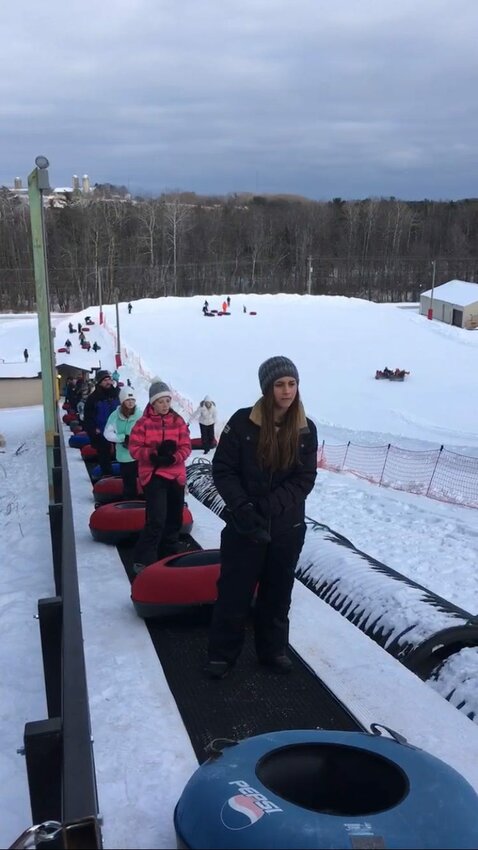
x=129 y=474
x=245 y=564
x=103 y=450
x=164 y=518
x=207 y=436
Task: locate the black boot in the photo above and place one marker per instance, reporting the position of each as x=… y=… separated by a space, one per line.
x=216 y=669
x=278 y=664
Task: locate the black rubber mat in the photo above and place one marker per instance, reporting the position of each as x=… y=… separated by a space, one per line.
x=251 y=700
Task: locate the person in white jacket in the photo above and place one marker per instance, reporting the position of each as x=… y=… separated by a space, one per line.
x=206 y=414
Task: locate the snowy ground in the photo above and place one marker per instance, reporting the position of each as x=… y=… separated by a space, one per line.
x=337 y=344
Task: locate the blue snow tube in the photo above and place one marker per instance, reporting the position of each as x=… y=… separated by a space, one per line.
x=77 y=441
x=322 y=789
x=96 y=472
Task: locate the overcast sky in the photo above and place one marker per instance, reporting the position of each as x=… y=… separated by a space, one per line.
x=323 y=98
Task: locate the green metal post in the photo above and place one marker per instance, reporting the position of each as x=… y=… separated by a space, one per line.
x=38 y=180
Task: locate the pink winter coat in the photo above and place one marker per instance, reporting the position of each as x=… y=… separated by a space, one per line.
x=147 y=434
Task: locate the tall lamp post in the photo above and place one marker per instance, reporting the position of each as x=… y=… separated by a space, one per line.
x=118 y=340
x=100 y=294
x=309 y=276
x=430 y=309
x=38 y=182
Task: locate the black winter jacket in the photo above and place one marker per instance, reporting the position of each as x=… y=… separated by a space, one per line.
x=98 y=406
x=279 y=496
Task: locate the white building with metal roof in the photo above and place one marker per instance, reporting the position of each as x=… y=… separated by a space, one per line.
x=454 y=302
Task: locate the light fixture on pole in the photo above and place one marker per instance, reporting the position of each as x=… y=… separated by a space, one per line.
x=430 y=309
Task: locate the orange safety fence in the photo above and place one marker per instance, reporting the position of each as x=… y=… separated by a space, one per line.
x=439 y=473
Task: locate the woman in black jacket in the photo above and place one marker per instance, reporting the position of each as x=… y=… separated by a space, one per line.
x=264 y=467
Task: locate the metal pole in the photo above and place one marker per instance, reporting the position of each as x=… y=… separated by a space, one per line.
x=118 y=341
x=37 y=182
x=100 y=294
x=430 y=309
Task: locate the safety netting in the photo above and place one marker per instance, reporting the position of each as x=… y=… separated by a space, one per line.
x=438 y=473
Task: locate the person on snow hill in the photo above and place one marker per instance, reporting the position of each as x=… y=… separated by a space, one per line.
x=160 y=442
x=117 y=430
x=98 y=407
x=25 y=354
x=130 y=307
x=264 y=467
x=207 y=415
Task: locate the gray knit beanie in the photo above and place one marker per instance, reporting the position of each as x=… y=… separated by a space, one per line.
x=273 y=369
x=158 y=389
x=101 y=375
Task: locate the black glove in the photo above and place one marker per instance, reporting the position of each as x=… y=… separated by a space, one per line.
x=161 y=460
x=167 y=447
x=247 y=522
x=165 y=460
x=126 y=441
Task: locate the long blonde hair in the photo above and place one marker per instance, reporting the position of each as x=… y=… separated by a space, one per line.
x=278 y=446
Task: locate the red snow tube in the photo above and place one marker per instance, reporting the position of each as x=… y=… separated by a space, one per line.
x=177 y=582
x=120 y=521
x=86 y=330
x=196 y=443
x=77 y=441
x=64 y=350
x=111 y=490
x=88 y=453
x=69 y=417
x=252 y=313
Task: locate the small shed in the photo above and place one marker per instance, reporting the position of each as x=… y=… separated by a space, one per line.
x=454 y=302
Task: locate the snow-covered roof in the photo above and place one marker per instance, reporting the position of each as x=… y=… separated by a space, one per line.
x=458 y=292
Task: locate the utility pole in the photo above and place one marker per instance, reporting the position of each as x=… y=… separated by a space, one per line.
x=430 y=309
x=309 y=276
x=118 y=340
x=38 y=182
x=100 y=294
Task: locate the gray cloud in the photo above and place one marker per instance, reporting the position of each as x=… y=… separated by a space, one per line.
x=316 y=97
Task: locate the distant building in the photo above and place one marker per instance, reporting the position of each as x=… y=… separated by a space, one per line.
x=60 y=196
x=455 y=303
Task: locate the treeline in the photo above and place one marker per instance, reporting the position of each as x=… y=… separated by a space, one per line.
x=180 y=244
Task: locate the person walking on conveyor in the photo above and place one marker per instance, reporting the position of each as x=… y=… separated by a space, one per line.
x=264 y=467
x=206 y=414
x=160 y=442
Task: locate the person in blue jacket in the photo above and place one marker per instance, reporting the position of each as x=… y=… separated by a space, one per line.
x=264 y=468
x=117 y=431
x=98 y=407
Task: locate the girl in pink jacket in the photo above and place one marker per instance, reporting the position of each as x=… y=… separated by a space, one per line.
x=160 y=442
